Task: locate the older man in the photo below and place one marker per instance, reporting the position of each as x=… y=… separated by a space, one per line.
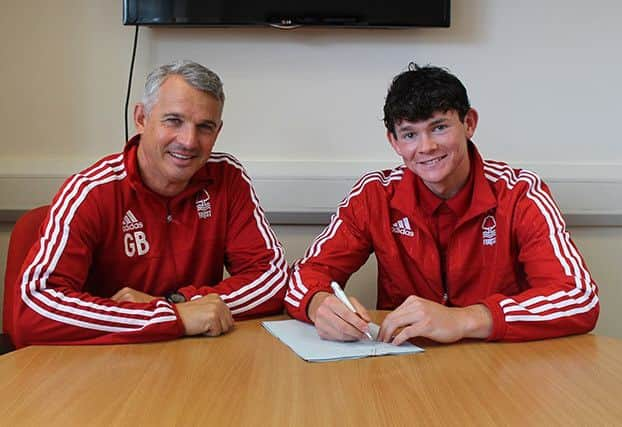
x=134 y=247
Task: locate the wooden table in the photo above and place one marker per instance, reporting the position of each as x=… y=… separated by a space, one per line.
x=249 y=378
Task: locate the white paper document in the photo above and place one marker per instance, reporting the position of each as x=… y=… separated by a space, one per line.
x=303 y=339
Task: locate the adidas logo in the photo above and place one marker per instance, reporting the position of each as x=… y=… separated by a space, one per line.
x=130 y=222
x=402 y=226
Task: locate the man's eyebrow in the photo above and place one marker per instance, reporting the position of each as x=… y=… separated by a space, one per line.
x=401 y=128
x=438 y=121
x=174 y=115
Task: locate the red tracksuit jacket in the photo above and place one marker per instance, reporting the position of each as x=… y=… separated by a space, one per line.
x=106 y=230
x=510 y=251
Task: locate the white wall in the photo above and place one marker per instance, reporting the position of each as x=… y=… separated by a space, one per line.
x=307 y=104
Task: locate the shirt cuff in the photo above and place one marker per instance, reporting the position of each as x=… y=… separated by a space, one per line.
x=499 y=326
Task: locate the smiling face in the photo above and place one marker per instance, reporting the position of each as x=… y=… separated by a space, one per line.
x=436 y=149
x=177 y=135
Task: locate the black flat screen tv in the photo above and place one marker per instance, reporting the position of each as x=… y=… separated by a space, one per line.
x=288 y=13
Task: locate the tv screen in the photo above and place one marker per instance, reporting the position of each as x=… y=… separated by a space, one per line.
x=231 y=13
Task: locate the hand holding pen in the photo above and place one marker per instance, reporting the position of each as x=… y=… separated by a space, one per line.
x=341 y=296
x=337 y=320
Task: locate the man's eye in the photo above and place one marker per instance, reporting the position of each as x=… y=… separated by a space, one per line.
x=440 y=128
x=408 y=135
x=206 y=128
x=172 y=121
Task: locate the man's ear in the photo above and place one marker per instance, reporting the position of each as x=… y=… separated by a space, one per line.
x=470 y=122
x=139 y=117
x=393 y=141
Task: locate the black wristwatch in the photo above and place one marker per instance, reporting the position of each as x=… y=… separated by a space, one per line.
x=175 y=297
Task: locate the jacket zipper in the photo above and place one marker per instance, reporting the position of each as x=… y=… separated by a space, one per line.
x=444 y=269
x=169 y=243
x=443 y=263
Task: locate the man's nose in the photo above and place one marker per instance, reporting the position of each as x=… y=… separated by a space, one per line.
x=188 y=136
x=426 y=143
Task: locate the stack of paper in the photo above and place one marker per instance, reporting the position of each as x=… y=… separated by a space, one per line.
x=303 y=339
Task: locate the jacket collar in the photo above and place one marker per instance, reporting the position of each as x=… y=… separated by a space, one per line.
x=430 y=203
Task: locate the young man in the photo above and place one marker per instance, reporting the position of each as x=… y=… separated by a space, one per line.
x=134 y=247
x=466 y=248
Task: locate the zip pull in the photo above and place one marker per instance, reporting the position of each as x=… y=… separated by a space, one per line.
x=445 y=298
x=169 y=215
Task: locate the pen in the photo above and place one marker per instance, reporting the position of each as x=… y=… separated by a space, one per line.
x=341 y=296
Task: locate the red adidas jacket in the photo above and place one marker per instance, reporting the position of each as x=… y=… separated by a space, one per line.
x=106 y=230
x=510 y=251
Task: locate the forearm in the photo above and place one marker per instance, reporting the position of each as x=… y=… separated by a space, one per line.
x=313 y=277
x=299 y=300
x=248 y=294
x=557 y=294
x=476 y=321
x=541 y=313
x=314 y=304
x=61 y=316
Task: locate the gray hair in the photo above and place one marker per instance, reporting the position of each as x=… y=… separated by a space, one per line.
x=196 y=75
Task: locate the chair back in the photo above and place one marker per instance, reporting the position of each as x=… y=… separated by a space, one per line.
x=23 y=236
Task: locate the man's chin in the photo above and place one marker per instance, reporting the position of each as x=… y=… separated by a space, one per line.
x=181 y=174
x=428 y=175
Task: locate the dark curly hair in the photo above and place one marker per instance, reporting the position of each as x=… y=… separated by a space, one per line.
x=420 y=92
